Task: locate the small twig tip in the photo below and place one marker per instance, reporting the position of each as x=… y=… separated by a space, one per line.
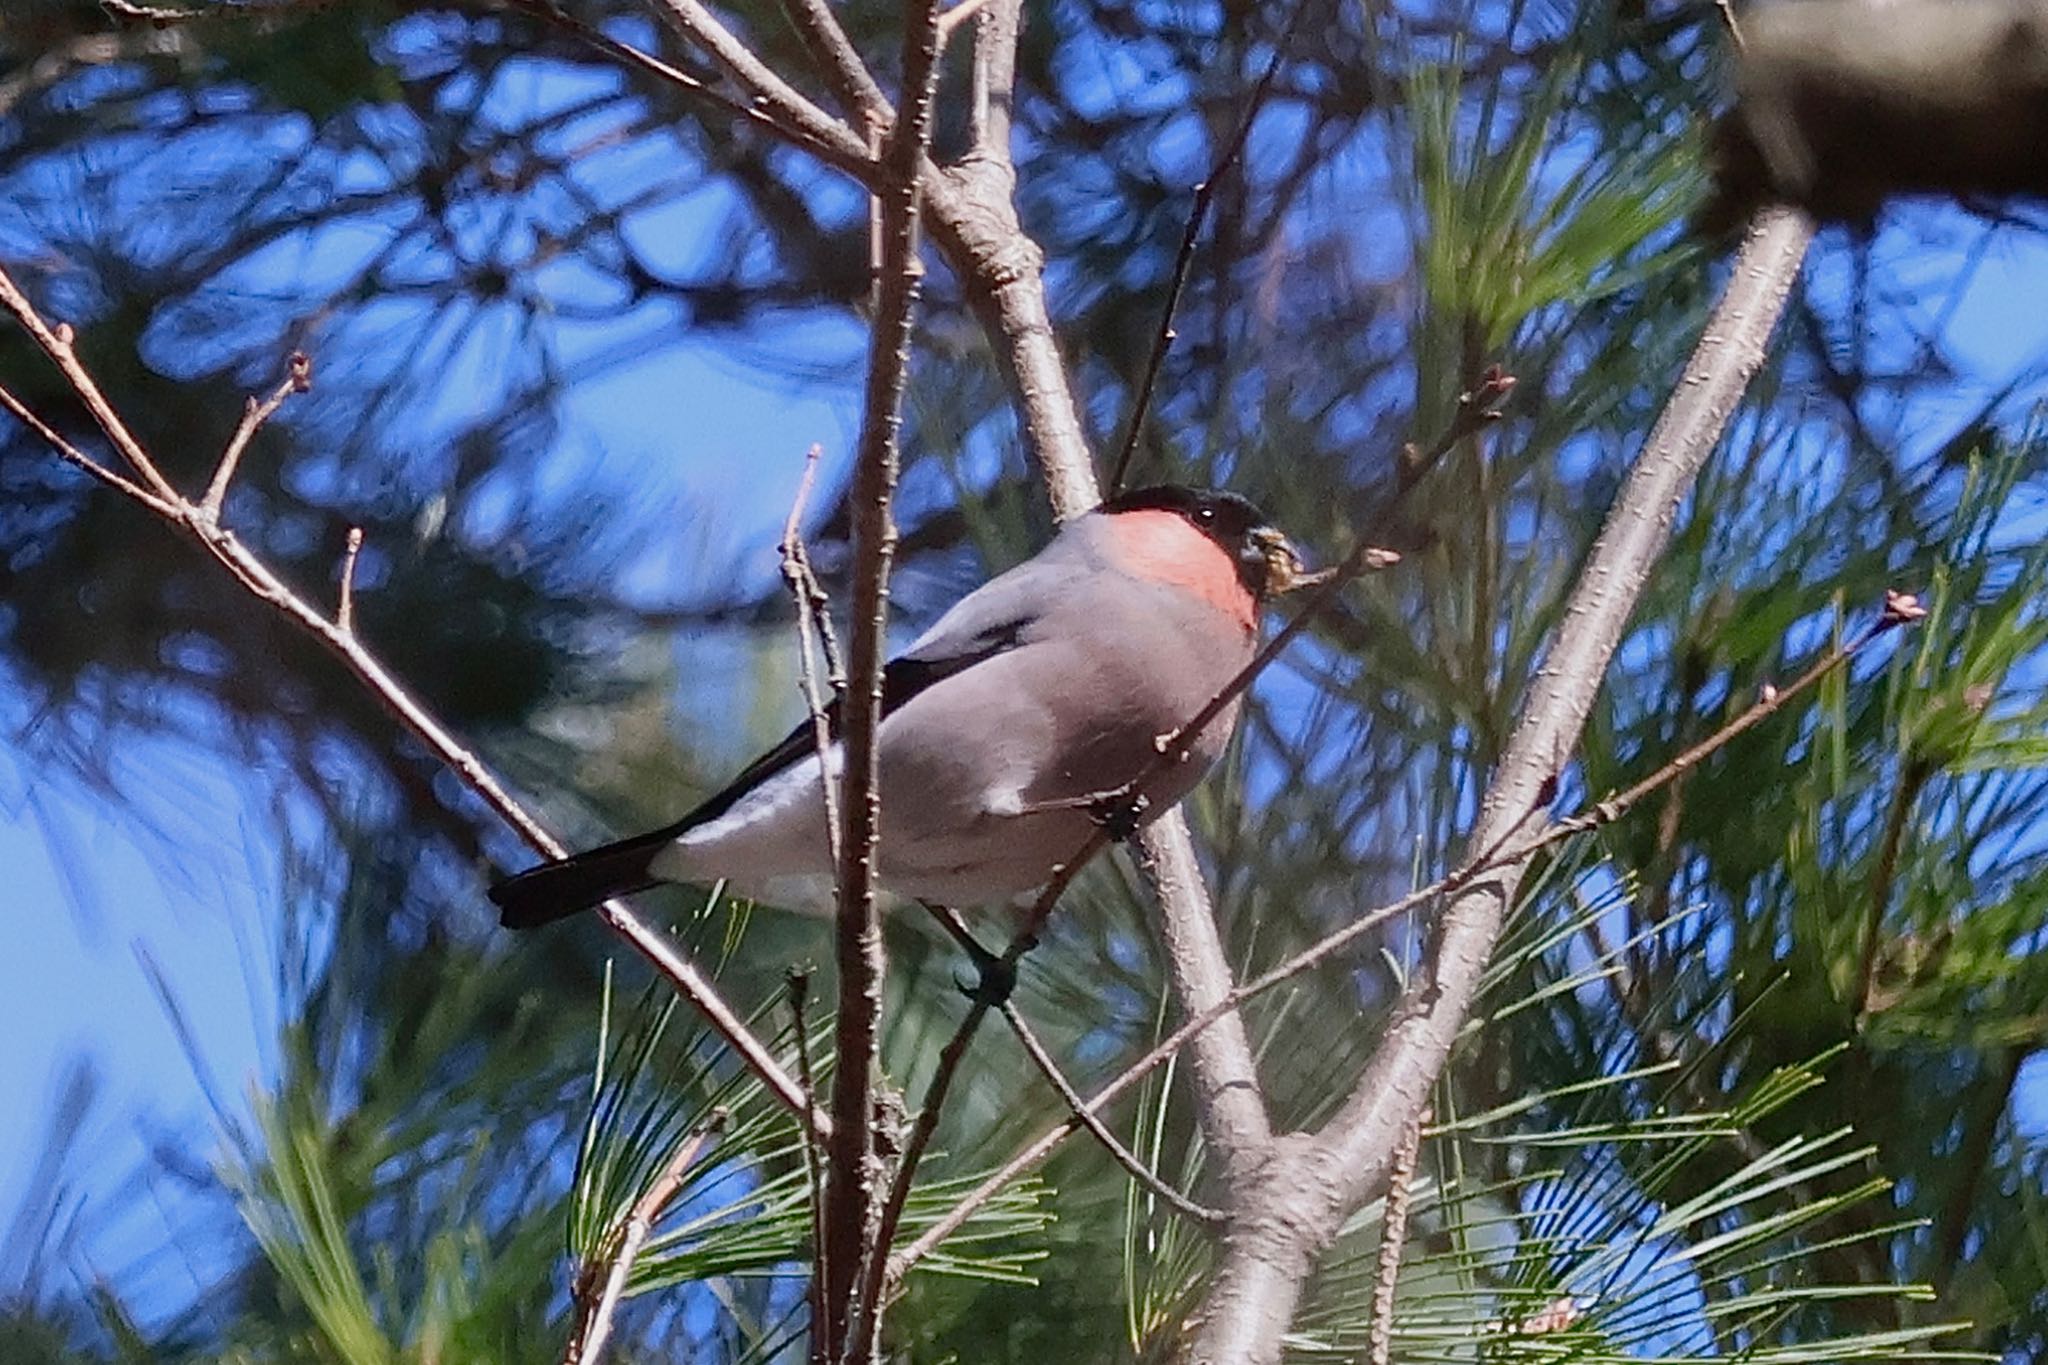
x=1901 y=608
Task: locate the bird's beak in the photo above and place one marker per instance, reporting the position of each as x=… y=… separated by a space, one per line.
x=1285 y=570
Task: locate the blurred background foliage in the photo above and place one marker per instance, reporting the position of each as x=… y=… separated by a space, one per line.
x=1812 y=970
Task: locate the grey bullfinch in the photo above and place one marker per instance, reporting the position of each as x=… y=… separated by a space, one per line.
x=1006 y=726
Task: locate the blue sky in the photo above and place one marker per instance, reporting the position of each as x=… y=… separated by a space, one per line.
x=685 y=428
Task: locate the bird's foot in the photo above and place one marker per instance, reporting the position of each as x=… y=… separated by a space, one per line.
x=995 y=975
x=1119 y=813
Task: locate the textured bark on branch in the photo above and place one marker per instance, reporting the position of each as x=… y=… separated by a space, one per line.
x=1314 y=1182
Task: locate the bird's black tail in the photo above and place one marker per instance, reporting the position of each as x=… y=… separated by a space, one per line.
x=558 y=890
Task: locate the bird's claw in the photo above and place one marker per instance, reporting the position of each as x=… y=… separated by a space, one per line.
x=1119 y=813
x=995 y=978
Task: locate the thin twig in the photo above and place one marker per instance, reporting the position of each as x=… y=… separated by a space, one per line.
x=798 y=983
x=77 y=458
x=838 y=61
x=828 y=147
x=1393 y=1240
x=1477 y=408
x=56 y=343
x=1601 y=813
x=813 y=618
x=1125 y=1157
x=1198 y=213
x=856 y=1236
x=951 y=19
x=586 y=1345
x=791 y=110
x=345 y=608
x=156 y=494
x=298 y=379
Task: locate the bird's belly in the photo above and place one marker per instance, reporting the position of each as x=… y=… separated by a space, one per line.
x=772 y=846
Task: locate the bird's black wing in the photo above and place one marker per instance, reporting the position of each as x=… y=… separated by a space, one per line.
x=557 y=890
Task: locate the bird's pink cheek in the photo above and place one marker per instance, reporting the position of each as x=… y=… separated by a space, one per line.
x=1163 y=547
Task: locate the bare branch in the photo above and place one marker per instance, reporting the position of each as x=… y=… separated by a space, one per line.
x=72 y=455
x=345 y=609
x=1198 y=214
x=298 y=379
x=587 y=1343
x=156 y=494
x=56 y=344
x=813 y=628
x=842 y=153
x=1259 y=1279
x=839 y=62
x=1393 y=1240
x=781 y=99
x=1078 y=1107
x=852 y=1325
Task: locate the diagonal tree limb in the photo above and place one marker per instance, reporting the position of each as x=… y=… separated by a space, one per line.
x=155 y=493
x=1899 y=609
x=854 y=1239
x=1312 y=1186
x=839 y=62
x=820 y=140
x=696 y=22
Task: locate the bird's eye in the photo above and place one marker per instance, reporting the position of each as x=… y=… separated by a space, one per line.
x=1206 y=513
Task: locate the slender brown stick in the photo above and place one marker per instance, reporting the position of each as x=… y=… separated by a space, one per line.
x=1898 y=612
x=56 y=344
x=345 y=608
x=586 y=1345
x=837 y=60
x=1198 y=213
x=156 y=494
x=789 y=108
x=854 y=1232
x=298 y=379
x=798 y=983
x=769 y=118
x=1393 y=1241
x=813 y=619
x=77 y=458
x=1125 y=1157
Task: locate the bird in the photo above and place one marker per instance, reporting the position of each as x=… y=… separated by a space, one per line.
x=1010 y=730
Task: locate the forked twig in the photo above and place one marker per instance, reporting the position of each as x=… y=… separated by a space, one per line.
x=1125 y=1157
x=298 y=379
